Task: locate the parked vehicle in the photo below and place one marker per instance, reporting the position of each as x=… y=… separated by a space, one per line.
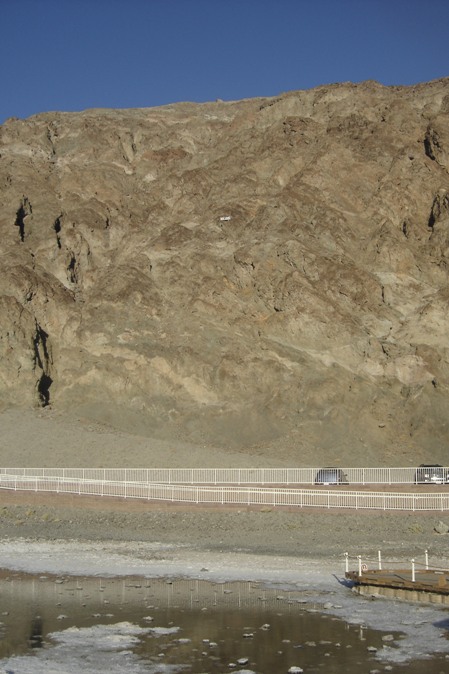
x=431 y=474
x=330 y=475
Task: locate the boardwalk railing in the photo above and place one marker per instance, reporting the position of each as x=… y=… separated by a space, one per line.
x=268 y=496
x=365 y=563
x=215 y=476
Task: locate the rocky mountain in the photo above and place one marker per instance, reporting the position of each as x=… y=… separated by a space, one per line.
x=265 y=275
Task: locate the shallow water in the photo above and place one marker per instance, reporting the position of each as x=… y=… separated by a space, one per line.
x=68 y=624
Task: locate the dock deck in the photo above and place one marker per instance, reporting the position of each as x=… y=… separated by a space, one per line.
x=428 y=585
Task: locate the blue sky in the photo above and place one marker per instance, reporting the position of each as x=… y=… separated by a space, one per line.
x=77 y=54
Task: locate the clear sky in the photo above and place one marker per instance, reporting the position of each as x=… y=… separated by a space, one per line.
x=78 y=54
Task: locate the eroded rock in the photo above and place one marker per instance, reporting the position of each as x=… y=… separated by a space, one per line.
x=265 y=273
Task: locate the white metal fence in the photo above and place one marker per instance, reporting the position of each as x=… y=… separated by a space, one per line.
x=234 y=476
x=221 y=495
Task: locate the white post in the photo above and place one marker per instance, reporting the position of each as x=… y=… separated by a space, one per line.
x=426 y=552
x=359 y=557
x=413 y=570
x=346 y=562
x=379 y=555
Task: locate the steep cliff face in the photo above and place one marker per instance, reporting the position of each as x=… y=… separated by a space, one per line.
x=267 y=272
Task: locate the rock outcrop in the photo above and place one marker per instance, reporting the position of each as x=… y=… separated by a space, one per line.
x=266 y=272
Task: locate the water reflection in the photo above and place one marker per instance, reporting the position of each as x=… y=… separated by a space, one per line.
x=36 y=637
x=208 y=627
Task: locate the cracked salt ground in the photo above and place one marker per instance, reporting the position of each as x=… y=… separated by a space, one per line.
x=165 y=625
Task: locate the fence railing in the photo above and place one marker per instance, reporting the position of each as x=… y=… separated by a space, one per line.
x=365 y=563
x=221 y=495
x=235 y=476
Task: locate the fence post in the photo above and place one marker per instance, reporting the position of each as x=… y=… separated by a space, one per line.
x=379 y=556
x=346 y=562
x=426 y=553
x=413 y=570
x=359 y=557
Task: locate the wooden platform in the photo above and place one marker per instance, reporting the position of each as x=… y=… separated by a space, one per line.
x=431 y=586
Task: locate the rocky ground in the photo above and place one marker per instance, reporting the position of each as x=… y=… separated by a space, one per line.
x=307 y=533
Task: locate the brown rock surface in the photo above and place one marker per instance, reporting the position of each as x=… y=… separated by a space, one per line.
x=263 y=275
